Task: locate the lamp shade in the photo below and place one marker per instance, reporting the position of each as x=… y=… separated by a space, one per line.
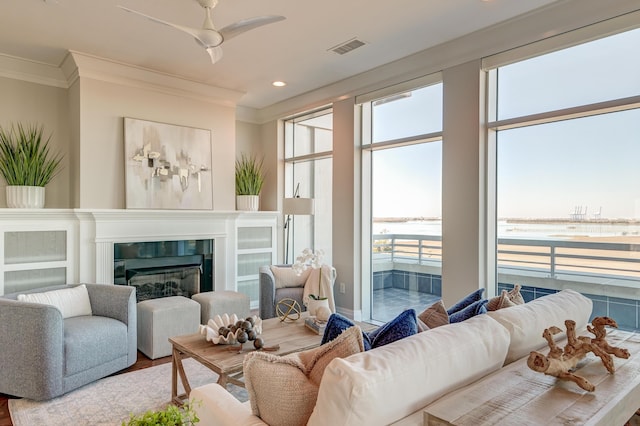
x=297 y=205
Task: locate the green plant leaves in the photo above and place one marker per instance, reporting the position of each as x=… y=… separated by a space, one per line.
x=170 y=416
x=249 y=176
x=25 y=157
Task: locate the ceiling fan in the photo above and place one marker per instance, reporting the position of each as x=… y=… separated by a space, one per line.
x=207 y=36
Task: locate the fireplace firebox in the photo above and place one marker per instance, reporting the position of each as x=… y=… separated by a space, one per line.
x=165 y=268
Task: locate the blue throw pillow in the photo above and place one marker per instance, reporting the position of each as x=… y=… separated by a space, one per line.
x=466 y=301
x=402 y=326
x=476 y=308
x=336 y=324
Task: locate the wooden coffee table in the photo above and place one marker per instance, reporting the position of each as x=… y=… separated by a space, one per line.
x=226 y=362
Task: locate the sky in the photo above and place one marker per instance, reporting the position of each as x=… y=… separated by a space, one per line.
x=544 y=171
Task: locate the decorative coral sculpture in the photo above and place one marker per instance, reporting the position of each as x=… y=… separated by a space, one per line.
x=559 y=362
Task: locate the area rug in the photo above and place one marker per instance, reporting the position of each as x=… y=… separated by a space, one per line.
x=111 y=400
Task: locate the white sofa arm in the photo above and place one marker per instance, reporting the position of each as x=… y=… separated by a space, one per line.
x=217 y=407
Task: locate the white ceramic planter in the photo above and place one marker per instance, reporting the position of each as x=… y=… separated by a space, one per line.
x=25 y=197
x=314 y=304
x=247 y=202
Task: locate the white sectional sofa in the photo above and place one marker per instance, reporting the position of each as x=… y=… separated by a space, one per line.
x=393 y=384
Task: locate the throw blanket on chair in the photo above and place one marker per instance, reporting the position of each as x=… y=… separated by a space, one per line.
x=324 y=289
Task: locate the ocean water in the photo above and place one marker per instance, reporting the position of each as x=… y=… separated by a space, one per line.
x=510 y=229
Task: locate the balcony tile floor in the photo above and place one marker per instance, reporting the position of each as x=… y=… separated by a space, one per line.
x=389 y=302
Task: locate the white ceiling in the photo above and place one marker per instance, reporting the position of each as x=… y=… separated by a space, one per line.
x=294 y=50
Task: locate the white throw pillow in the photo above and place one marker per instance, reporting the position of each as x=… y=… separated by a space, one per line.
x=287 y=277
x=526 y=323
x=72 y=302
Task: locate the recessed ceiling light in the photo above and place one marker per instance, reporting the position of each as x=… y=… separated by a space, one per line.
x=279 y=83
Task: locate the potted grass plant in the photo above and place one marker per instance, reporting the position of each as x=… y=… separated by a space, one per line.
x=169 y=416
x=27 y=164
x=249 y=181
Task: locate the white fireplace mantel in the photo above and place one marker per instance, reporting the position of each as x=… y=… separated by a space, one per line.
x=91 y=235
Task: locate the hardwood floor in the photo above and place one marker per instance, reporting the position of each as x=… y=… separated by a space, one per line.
x=141 y=362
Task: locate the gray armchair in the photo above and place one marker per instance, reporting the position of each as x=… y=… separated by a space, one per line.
x=43 y=355
x=270 y=295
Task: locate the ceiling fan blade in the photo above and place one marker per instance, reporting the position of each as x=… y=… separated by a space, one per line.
x=202 y=36
x=215 y=53
x=244 y=25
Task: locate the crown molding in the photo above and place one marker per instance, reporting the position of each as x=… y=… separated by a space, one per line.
x=78 y=65
x=31 y=71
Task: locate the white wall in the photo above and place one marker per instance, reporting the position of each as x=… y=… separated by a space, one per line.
x=85 y=119
x=102 y=108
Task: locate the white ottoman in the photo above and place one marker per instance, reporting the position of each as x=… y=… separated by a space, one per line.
x=214 y=303
x=159 y=319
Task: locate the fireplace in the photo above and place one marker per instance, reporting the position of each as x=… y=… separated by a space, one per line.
x=165 y=268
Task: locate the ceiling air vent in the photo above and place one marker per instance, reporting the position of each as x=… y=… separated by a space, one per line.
x=347 y=46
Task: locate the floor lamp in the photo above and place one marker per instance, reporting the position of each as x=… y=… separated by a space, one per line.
x=291 y=207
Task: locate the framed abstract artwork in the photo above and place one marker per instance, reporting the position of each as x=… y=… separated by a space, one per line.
x=167 y=166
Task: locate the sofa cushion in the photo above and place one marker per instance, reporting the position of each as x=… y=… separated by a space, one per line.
x=466 y=301
x=71 y=302
x=90 y=341
x=402 y=326
x=390 y=382
x=286 y=276
x=435 y=315
x=526 y=322
x=283 y=389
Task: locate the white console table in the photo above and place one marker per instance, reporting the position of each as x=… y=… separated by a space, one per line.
x=516 y=395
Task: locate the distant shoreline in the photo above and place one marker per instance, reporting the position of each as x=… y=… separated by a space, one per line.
x=513 y=220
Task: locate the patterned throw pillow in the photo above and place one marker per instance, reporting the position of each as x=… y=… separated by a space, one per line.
x=435 y=315
x=283 y=389
x=402 y=326
x=466 y=301
x=71 y=302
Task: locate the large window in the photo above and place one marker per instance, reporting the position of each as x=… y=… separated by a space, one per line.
x=566 y=128
x=308 y=174
x=402 y=148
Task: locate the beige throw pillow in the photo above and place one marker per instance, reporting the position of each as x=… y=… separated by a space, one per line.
x=515 y=296
x=499 y=302
x=283 y=389
x=435 y=315
x=286 y=276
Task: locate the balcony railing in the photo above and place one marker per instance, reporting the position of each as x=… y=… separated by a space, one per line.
x=548 y=258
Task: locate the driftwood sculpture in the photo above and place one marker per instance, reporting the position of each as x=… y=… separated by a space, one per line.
x=559 y=362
